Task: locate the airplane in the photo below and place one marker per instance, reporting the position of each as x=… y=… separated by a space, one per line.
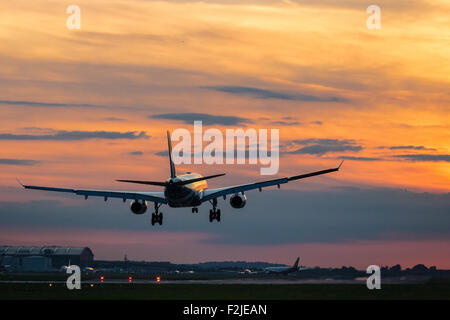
x=283 y=270
x=185 y=190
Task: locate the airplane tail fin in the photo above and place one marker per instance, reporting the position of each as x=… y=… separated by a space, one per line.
x=173 y=173
x=296 y=262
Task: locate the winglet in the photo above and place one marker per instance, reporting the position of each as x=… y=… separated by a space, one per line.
x=340 y=164
x=20 y=182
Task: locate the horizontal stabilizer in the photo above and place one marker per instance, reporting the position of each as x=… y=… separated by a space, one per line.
x=178 y=183
x=182 y=183
x=153 y=183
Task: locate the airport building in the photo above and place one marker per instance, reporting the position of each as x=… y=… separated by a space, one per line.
x=41 y=259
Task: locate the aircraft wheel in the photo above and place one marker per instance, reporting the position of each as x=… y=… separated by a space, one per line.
x=211 y=216
x=218 y=215
x=153 y=219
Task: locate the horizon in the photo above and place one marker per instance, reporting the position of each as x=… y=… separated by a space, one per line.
x=126 y=259
x=82 y=108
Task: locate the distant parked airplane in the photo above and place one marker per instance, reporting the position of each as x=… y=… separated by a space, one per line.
x=186 y=190
x=283 y=270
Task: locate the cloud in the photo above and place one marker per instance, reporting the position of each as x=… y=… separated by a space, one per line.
x=424 y=157
x=136 y=153
x=46 y=104
x=286 y=123
x=345 y=215
x=270 y=94
x=76 y=135
x=39 y=104
x=294 y=123
x=114 y=119
x=207 y=119
x=323 y=146
x=410 y=147
x=360 y=158
x=164 y=153
x=19 y=162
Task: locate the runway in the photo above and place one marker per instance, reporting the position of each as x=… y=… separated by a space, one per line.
x=224 y=281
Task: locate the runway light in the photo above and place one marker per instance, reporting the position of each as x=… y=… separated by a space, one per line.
x=130 y=279
x=50 y=285
x=102 y=278
x=158 y=279
x=92 y=285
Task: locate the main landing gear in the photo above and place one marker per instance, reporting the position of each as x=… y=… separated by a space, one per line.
x=157 y=217
x=194 y=210
x=214 y=214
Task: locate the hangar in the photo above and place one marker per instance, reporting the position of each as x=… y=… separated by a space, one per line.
x=46 y=258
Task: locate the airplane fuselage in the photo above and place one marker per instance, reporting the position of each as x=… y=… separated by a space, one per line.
x=280 y=270
x=189 y=195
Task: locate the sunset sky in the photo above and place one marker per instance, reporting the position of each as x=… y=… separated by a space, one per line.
x=81 y=108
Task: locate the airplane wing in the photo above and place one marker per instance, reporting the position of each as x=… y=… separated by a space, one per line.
x=211 y=194
x=134 y=195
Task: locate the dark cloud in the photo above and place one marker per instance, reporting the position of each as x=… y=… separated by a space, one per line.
x=360 y=158
x=136 y=153
x=46 y=104
x=424 y=157
x=286 y=123
x=270 y=94
x=19 y=162
x=164 y=153
x=76 y=135
x=323 y=146
x=323 y=216
x=410 y=147
x=39 y=104
x=207 y=119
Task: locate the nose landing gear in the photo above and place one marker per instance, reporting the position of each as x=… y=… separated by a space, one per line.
x=157 y=217
x=214 y=213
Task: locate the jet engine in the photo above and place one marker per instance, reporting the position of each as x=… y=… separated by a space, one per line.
x=238 y=201
x=138 y=207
